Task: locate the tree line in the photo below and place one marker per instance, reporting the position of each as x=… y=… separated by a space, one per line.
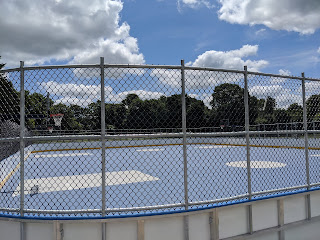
x=226 y=108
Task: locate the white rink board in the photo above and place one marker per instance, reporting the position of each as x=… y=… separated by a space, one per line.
x=231 y=221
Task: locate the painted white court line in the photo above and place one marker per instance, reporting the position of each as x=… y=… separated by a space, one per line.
x=64 y=183
x=214 y=146
x=150 y=150
x=61 y=155
x=256 y=164
x=315 y=155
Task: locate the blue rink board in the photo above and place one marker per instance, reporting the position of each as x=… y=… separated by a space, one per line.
x=209 y=177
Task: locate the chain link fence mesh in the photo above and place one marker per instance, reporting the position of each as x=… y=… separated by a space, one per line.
x=280 y=152
x=9 y=149
x=147 y=167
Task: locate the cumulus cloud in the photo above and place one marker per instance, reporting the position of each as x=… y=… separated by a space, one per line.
x=72 y=93
x=290 y=15
x=234 y=59
x=206 y=98
x=284 y=96
x=284 y=72
x=264 y=91
x=195 y=79
x=312 y=88
x=143 y=94
x=73 y=31
x=279 y=80
x=84 y=94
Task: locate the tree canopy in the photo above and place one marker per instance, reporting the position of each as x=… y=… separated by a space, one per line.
x=226 y=108
x=9 y=99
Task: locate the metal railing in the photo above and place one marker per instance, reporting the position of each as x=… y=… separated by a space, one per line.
x=151 y=139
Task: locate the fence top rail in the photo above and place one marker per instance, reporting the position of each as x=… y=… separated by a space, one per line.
x=177 y=67
x=91 y=66
x=283 y=76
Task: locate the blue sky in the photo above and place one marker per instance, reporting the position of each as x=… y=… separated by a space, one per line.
x=162 y=31
x=167 y=34
x=267 y=35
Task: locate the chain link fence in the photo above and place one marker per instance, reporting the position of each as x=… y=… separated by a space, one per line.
x=141 y=139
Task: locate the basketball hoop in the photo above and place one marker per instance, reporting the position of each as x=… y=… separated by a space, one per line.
x=50 y=129
x=57 y=119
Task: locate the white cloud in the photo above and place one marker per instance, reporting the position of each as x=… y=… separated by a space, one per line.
x=279 y=80
x=76 y=31
x=114 y=52
x=74 y=101
x=290 y=15
x=83 y=95
x=195 y=79
x=143 y=94
x=284 y=72
x=231 y=59
x=261 y=31
x=318 y=50
x=284 y=96
x=264 y=91
x=234 y=59
x=312 y=88
x=72 y=93
x=206 y=98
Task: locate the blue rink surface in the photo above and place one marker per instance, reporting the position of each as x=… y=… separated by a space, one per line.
x=209 y=176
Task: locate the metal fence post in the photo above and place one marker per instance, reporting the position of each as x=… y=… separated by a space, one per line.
x=247 y=129
x=185 y=162
x=22 y=145
x=184 y=131
x=103 y=148
x=306 y=146
x=305 y=127
x=103 y=134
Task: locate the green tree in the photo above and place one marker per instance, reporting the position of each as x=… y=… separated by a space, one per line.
x=313 y=106
x=136 y=112
x=281 y=116
x=36 y=110
x=69 y=121
x=295 y=111
x=228 y=103
x=115 y=115
x=81 y=115
x=196 y=112
x=156 y=113
x=9 y=99
x=266 y=111
x=174 y=111
x=270 y=105
x=92 y=119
